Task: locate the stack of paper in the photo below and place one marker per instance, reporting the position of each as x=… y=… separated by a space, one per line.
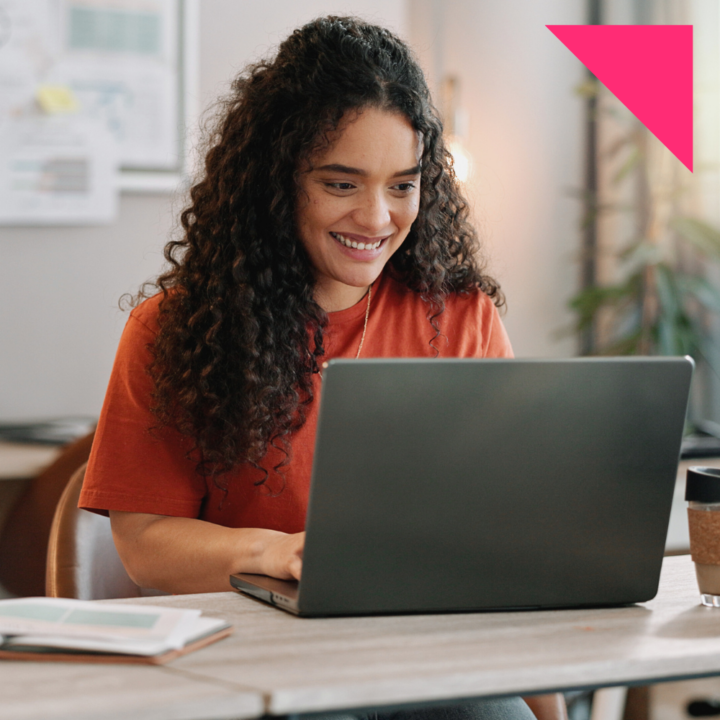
x=58 y=628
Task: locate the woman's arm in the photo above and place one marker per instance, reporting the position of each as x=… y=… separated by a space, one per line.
x=184 y=555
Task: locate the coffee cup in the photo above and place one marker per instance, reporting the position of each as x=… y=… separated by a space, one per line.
x=702 y=491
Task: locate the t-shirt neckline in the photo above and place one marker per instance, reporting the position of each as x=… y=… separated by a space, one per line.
x=357 y=310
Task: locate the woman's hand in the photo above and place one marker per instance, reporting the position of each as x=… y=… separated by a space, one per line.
x=282 y=556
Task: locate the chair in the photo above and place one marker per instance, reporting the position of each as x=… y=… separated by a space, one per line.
x=82 y=561
x=24 y=536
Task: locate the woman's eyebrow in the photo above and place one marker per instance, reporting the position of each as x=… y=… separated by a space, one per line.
x=410 y=171
x=346 y=170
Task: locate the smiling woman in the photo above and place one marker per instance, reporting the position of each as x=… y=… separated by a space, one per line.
x=327 y=223
x=328 y=148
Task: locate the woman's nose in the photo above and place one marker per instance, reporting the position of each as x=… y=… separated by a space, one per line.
x=373 y=214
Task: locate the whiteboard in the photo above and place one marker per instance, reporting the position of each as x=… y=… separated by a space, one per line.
x=129 y=66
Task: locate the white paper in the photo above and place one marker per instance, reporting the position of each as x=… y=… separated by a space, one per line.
x=200 y=627
x=66 y=618
x=57 y=170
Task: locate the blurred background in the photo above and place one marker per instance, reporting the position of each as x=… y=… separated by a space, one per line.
x=562 y=181
x=602 y=241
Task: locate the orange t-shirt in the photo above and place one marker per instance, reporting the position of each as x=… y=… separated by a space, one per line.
x=133 y=470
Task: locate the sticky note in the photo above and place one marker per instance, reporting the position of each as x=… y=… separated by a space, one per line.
x=56 y=99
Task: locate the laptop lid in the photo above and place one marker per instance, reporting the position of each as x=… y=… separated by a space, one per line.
x=455 y=485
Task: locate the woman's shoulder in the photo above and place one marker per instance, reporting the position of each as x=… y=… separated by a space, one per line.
x=470 y=325
x=147 y=313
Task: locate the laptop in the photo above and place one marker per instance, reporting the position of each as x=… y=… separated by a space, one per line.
x=466 y=485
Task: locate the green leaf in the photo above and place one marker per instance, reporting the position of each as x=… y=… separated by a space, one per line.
x=641 y=252
x=702 y=235
x=665 y=336
x=588 y=302
x=627 y=345
x=667 y=291
x=701 y=290
x=678 y=336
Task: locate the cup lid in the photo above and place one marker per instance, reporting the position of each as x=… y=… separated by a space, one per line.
x=703 y=485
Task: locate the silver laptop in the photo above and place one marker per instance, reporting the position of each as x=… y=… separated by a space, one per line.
x=464 y=485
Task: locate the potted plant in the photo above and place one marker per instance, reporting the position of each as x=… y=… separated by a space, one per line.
x=656 y=295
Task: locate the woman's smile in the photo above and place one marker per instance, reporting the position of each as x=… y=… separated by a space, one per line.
x=364 y=246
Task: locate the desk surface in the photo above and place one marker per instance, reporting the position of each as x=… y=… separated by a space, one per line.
x=75 y=691
x=276 y=663
x=306 y=665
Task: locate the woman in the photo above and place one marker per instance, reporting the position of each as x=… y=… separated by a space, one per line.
x=328 y=224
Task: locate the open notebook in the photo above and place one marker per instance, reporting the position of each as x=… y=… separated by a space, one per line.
x=65 y=630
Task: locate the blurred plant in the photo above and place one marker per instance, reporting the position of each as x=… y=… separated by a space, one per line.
x=660 y=301
x=658 y=307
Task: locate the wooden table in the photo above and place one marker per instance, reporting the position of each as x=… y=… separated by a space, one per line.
x=308 y=665
x=279 y=664
x=73 y=691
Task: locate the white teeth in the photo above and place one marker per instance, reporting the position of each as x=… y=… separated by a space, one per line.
x=354 y=244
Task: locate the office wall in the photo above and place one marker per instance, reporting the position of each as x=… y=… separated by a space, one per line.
x=525 y=137
x=59 y=321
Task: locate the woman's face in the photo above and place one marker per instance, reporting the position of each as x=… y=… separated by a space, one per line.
x=359 y=198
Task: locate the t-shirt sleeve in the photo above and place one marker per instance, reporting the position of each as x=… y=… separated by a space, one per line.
x=132 y=467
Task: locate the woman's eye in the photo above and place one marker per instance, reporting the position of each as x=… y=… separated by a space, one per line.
x=340 y=186
x=405 y=187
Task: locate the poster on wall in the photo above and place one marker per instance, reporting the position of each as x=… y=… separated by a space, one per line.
x=57 y=171
x=86 y=87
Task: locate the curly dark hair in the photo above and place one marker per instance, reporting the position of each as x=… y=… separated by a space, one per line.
x=240 y=332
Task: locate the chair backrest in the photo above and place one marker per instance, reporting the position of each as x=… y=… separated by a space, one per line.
x=82 y=561
x=24 y=536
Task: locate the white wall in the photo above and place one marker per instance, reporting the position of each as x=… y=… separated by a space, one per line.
x=59 y=322
x=525 y=137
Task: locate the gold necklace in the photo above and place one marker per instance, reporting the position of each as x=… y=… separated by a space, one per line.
x=367 y=315
x=362 y=337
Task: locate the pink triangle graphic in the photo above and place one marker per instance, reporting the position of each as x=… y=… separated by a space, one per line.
x=649 y=68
